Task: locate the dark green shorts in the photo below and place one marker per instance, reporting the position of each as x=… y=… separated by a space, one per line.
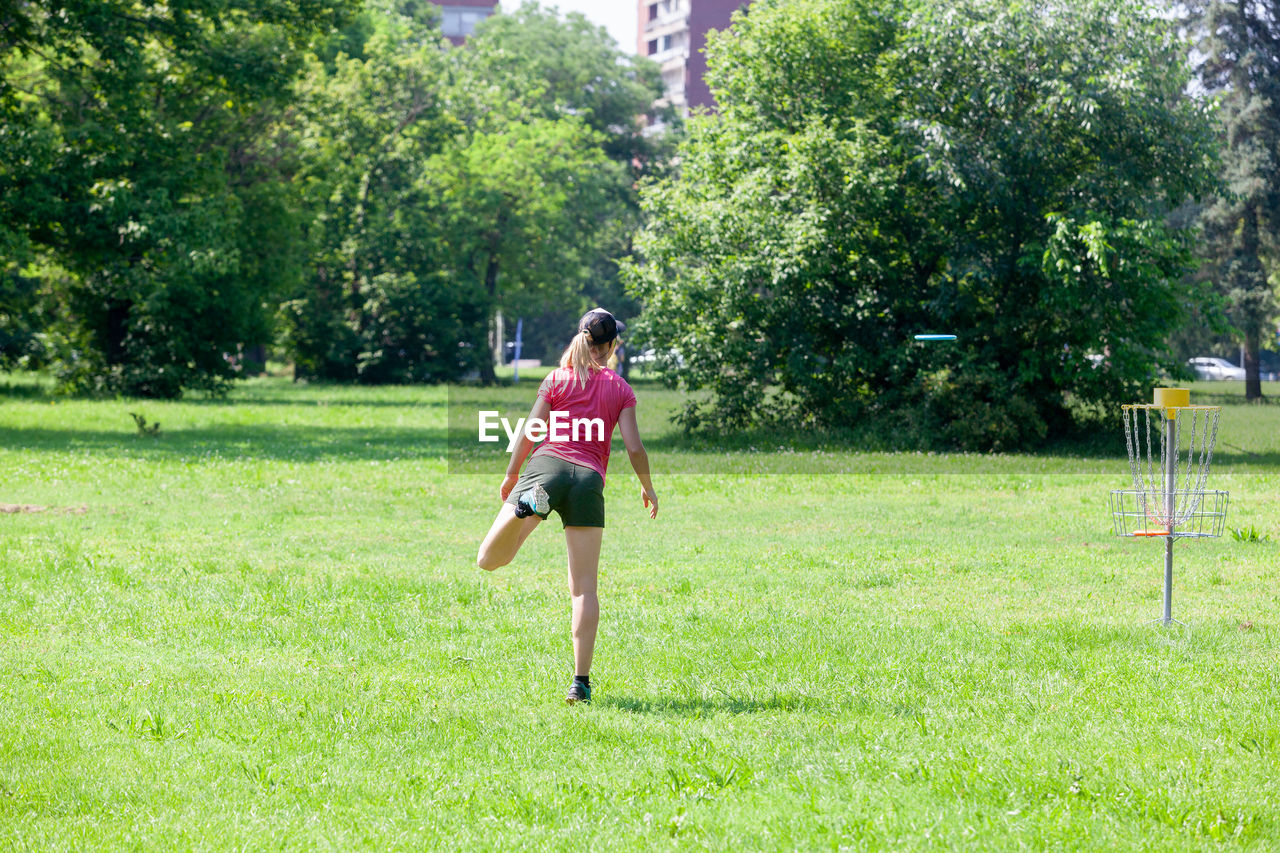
x=574 y=491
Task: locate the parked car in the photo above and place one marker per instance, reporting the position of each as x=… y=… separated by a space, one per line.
x=1208 y=367
x=649 y=357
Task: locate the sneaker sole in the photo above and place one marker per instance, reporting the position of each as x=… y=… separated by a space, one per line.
x=541 y=500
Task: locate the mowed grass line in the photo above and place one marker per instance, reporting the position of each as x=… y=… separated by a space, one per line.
x=265 y=630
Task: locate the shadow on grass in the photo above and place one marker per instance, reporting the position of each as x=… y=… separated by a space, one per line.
x=303 y=443
x=1240 y=456
x=1095 y=444
x=20 y=390
x=290 y=443
x=1099 y=446
x=335 y=400
x=703 y=707
x=252 y=392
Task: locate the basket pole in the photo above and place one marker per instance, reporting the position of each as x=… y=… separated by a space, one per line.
x=1170 y=483
x=1151 y=496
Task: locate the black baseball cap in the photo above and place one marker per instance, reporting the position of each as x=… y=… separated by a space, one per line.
x=601 y=326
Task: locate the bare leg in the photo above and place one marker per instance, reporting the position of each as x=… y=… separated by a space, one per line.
x=505 y=538
x=584 y=563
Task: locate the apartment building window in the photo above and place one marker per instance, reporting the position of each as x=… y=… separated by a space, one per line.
x=674 y=81
x=653 y=46
x=653 y=11
x=460 y=21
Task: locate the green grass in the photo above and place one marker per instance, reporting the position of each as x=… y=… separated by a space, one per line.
x=262 y=628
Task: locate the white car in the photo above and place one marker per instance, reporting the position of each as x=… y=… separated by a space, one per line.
x=1207 y=367
x=649 y=357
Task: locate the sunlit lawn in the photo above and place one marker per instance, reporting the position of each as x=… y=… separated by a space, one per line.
x=263 y=628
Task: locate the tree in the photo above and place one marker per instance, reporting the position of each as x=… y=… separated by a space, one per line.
x=145 y=172
x=553 y=67
x=877 y=170
x=520 y=205
x=1240 y=45
x=376 y=304
x=20 y=321
x=557 y=65
x=446 y=185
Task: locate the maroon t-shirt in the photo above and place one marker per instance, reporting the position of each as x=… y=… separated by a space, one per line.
x=582 y=420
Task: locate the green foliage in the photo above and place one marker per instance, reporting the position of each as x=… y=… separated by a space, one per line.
x=444 y=185
x=552 y=66
x=1002 y=172
x=146 y=172
x=1239 y=57
x=373 y=304
x=21 y=320
x=555 y=67
x=184 y=182
x=1249 y=534
x=145 y=428
x=521 y=206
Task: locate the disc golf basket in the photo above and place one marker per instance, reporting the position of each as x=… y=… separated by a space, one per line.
x=1170 y=444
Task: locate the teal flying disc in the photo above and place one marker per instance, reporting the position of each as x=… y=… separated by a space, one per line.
x=935 y=337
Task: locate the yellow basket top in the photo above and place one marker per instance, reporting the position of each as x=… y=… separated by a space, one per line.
x=1171 y=401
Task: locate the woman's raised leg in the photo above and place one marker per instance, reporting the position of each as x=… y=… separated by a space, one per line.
x=504 y=539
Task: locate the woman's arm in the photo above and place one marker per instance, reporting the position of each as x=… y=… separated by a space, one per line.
x=639 y=459
x=541 y=409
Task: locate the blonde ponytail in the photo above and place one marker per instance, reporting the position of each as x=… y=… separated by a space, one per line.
x=580 y=356
x=577 y=356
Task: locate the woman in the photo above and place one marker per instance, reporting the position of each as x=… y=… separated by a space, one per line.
x=566 y=474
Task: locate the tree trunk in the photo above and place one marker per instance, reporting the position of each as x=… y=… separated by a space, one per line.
x=1252 y=377
x=487 y=374
x=256 y=359
x=117 y=331
x=1250 y=247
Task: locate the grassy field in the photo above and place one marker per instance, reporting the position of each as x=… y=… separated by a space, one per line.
x=263 y=628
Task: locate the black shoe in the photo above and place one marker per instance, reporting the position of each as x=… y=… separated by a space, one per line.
x=533 y=501
x=578 y=692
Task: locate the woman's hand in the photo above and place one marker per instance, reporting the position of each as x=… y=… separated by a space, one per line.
x=650 y=501
x=508 y=483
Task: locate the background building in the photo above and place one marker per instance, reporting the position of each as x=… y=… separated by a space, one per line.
x=673 y=33
x=458 y=18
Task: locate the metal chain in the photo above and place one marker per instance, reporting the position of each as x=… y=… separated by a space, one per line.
x=1191 y=446
x=1151 y=477
x=1213 y=441
x=1158 y=484
x=1185 y=498
x=1154 y=492
x=1154 y=502
x=1130 y=416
